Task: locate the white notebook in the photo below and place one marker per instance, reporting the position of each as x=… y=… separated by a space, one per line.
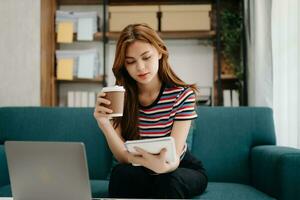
x=154 y=146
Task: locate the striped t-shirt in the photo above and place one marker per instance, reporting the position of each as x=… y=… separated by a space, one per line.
x=173 y=103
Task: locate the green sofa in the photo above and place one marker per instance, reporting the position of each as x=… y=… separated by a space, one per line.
x=236 y=146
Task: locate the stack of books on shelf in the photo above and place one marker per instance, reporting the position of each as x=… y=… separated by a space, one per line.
x=81 y=99
x=81 y=64
x=231 y=98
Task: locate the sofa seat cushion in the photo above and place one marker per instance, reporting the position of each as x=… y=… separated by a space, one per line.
x=232 y=191
x=99 y=188
x=215 y=191
x=5 y=191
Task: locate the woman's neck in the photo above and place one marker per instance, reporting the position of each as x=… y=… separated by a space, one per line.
x=151 y=88
x=149 y=93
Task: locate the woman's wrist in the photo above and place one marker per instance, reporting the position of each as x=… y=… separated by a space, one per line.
x=103 y=121
x=104 y=125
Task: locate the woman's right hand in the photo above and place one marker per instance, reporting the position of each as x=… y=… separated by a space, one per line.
x=101 y=112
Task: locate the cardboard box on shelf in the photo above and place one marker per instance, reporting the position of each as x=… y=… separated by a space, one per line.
x=185 y=17
x=121 y=16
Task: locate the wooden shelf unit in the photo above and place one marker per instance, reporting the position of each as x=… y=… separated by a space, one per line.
x=79 y=2
x=98 y=36
x=81 y=80
x=49 y=83
x=157 y=2
x=174 y=35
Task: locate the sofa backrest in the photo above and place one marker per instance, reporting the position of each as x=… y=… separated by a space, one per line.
x=57 y=124
x=223 y=137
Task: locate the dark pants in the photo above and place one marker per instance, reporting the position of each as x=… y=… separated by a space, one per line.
x=188 y=180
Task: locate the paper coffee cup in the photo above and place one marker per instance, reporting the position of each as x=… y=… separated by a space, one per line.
x=115 y=94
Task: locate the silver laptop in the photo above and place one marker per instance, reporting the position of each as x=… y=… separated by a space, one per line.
x=48 y=170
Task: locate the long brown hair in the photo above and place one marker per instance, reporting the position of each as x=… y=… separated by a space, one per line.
x=131 y=33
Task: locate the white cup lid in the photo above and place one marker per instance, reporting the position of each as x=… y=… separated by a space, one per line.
x=115 y=88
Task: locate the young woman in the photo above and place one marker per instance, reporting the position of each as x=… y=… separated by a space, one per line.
x=157 y=104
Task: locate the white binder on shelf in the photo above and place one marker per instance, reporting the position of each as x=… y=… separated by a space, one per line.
x=92 y=99
x=77 y=102
x=71 y=99
x=85 y=29
x=226 y=98
x=86 y=65
x=235 y=98
x=86 y=25
x=84 y=99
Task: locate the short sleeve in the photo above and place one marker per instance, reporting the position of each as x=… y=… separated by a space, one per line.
x=185 y=105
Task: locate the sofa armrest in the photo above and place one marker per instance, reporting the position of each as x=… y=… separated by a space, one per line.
x=276 y=171
x=4 y=178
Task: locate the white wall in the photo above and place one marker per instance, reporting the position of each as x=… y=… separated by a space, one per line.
x=192 y=60
x=19 y=53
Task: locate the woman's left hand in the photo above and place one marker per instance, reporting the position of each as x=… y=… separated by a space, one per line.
x=156 y=163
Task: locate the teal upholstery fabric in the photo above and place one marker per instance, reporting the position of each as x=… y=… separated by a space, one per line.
x=4 y=178
x=232 y=191
x=189 y=139
x=58 y=124
x=5 y=191
x=99 y=188
x=235 y=145
x=276 y=170
x=223 y=138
